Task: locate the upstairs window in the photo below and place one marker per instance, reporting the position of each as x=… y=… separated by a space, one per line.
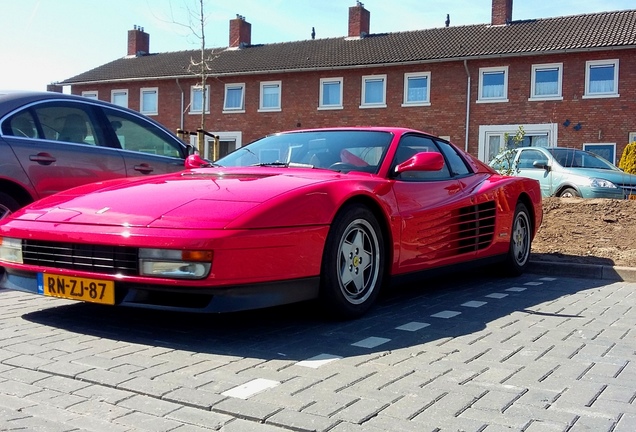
x=373 y=91
x=119 y=97
x=270 y=96
x=601 y=78
x=149 y=101
x=493 y=84
x=546 y=81
x=234 y=98
x=417 y=90
x=196 y=99
x=330 y=93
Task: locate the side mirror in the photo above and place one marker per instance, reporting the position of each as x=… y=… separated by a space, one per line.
x=541 y=164
x=195 y=161
x=425 y=161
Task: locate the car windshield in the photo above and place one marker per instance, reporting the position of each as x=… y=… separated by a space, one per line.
x=572 y=158
x=342 y=150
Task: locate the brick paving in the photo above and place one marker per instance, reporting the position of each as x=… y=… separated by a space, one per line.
x=472 y=353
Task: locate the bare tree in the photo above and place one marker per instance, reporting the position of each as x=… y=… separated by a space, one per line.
x=200 y=67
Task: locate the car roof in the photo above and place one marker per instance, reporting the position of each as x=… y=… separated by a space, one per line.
x=12 y=99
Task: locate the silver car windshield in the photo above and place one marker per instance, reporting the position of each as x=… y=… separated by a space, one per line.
x=342 y=150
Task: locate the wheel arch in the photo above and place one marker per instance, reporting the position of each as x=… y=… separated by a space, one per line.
x=525 y=199
x=562 y=187
x=17 y=192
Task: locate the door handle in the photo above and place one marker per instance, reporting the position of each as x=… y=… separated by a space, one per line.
x=144 y=168
x=42 y=158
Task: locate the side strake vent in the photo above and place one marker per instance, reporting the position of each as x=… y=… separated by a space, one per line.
x=476 y=226
x=463 y=230
x=85 y=257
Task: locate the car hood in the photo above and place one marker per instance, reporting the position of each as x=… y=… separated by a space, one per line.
x=617 y=177
x=191 y=199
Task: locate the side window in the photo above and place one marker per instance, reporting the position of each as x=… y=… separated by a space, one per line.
x=528 y=157
x=68 y=123
x=408 y=147
x=138 y=135
x=20 y=125
x=457 y=164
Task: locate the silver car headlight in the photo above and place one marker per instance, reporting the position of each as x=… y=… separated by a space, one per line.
x=602 y=183
x=178 y=264
x=11 y=250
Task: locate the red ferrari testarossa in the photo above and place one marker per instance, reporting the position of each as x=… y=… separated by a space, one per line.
x=330 y=214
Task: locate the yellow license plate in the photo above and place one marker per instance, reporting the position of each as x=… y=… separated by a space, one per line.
x=75 y=288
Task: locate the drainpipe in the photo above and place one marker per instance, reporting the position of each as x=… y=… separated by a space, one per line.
x=467 y=105
x=182 y=102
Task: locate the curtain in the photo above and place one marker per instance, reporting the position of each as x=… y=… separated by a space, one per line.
x=417 y=89
x=602 y=79
x=270 y=96
x=374 y=91
x=493 y=85
x=546 y=82
x=331 y=93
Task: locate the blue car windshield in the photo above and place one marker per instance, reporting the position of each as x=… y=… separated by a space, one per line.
x=572 y=158
x=342 y=150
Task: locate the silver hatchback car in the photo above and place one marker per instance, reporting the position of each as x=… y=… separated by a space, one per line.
x=50 y=142
x=567 y=172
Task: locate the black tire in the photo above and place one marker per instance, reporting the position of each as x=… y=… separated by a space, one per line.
x=520 y=242
x=569 y=193
x=7 y=205
x=353 y=263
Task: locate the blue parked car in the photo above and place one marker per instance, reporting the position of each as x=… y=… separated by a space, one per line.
x=567 y=172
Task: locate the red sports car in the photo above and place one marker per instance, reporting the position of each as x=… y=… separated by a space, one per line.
x=329 y=214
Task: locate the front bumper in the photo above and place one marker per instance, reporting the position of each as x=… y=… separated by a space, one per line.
x=201 y=300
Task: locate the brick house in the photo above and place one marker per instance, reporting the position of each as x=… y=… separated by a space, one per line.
x=568 y=81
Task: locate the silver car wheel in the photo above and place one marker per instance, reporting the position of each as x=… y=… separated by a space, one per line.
x=521 y=238
x=358 y=261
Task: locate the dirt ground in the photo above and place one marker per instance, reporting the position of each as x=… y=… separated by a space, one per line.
x=592 y=231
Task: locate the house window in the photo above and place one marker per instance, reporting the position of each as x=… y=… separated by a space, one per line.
x=495 y=138
x=493 y=84
x=270 y=96
x=417 y=89
x=330 y=93
x=546 y=81
x=119 y=97
x=90 y=94
x=373 y=91
x=601 y=78
x=234 y=98
x=149 y=101
x=196 y=99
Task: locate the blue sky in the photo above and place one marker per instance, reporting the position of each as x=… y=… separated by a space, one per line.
x=44 y=41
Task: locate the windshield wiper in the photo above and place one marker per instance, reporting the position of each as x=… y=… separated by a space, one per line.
x=284 y=165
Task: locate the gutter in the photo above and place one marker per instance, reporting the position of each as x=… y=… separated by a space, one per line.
x=182 y=103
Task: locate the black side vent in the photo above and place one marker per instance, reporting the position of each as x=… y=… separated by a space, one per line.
x=477 y=226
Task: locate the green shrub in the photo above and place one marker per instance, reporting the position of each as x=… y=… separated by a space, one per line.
x=628 y=159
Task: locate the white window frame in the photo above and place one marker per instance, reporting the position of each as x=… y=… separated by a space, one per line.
x=427 y=98
x=116 y=91
x=631 y=137
x=323 y=82
x=496 y=99
x=264 y=84
x=142 y=108
x=365 y=80
x=197 y=88
x=241 y=108
x=91 y=94
x=236 y=136
x=485 y=131
x=539 y=67
x=588 y=66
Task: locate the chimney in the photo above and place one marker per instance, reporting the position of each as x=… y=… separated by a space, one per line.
x=138 y=42
x=501 y=12
x=359 y=20
x=240 y=32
